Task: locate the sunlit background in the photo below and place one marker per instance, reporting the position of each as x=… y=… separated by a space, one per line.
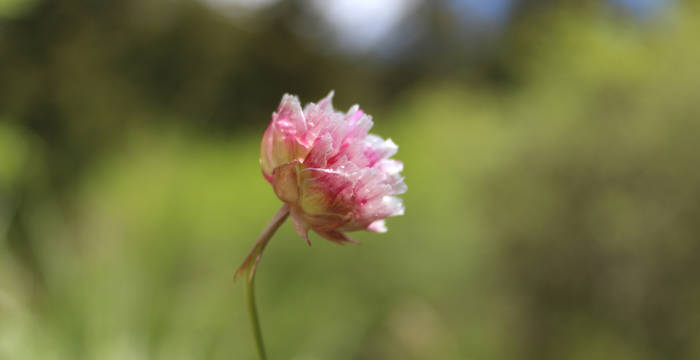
x=551 y=152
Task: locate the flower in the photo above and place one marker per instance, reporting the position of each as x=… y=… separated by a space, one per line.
x=334 y=176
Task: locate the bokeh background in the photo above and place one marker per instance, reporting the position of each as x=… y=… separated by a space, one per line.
x=551 y=152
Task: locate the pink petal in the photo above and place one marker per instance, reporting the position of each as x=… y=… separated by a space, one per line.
x=378 y=149
x=289 y=118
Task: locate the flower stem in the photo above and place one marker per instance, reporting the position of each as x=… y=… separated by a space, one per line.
x=249 y=266
x=254 y=321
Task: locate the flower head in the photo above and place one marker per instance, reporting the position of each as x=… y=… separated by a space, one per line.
x=334 y=176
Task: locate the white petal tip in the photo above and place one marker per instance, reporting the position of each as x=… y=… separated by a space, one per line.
x=378 y=226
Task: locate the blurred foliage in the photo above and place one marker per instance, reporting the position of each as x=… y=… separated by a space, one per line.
x=552 y=210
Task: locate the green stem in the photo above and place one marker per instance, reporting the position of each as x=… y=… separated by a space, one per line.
x=249 y=266
x=254 y=321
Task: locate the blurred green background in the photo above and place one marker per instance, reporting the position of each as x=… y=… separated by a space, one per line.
x=551 y=152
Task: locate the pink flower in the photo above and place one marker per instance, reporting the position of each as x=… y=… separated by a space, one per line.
x=334 y=176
